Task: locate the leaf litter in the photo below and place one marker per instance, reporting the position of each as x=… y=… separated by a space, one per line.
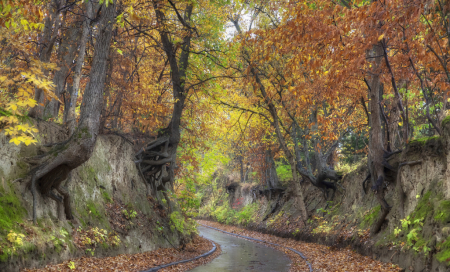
x=322 y=258
x=140 y=261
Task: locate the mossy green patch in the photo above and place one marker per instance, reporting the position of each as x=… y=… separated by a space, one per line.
x=104 y=245
x=94 y=212
x=424 y=140
x=444 y=252
x=89 y=174
x=370 y=218
x=11 y=209
x=106 y=197
x=424 y=207
x=3 y=257
x=442 y=212
x=446 y=120
x=91 y=207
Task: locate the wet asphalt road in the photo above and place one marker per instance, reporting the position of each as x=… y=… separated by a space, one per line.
x=242 y=255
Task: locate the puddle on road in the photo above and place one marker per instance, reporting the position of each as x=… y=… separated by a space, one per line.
x=242 y=255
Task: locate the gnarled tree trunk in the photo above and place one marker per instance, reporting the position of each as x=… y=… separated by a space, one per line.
x=157 y=160
x=66 y=55
x=70 y=117
x=324 y=172
x=53 y=167
x=377 y=154
x=52 y=24
x=272 y=180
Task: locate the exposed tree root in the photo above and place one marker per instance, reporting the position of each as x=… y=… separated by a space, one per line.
x=401 y=193
x=53 y=167
x=378 y=189
x=154 y=162
x=364 y=183
x=320 y=181
x=379 y=193
x=275 y=207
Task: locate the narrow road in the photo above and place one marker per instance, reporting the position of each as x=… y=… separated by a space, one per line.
x=242 y=255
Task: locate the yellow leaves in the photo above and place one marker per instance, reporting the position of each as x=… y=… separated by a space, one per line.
x=18 y=131
x=15 y=140
x=24 y=23
x=15 y=238
x=31 y=102
x=380 y=37
x=9 y=119
x=12 y=107
x=41 y=83
x=23 y=92
x=41 y=15
x=19 y=81
x=26 y=128
x=18 y=134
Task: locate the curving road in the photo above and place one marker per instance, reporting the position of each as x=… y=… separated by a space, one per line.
x=242 y=255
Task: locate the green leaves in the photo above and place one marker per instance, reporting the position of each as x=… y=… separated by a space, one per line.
x=107 y=2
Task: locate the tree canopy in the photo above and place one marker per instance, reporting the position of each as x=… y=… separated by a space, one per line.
x=197 y=84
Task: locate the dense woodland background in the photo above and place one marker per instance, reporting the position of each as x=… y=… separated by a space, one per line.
x=283 y=91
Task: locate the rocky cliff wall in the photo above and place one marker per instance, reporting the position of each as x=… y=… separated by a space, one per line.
x=112 y=212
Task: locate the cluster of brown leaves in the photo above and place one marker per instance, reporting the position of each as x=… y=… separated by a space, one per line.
x=157 y=207
x=118 y=220
x=122 y=222
x=140 y=261
x=322 y=258
x=337 y=227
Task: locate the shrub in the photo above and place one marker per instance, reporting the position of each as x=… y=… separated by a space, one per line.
x=284 y=172
x=247 y=214
x=184 y=225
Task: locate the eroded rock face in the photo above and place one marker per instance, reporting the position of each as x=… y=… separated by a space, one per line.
x=419 y=241
x=105 y=189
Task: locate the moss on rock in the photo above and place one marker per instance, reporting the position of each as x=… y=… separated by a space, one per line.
x=424 y=140
x=11 y=209
x=370 y=218
x=446 y=120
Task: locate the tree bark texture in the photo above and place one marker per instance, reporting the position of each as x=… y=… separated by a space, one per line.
x=376 y=153
x=55 y=166
x=66 y=55
x=52 y=24
x=157 y=160
x=272 y=180
x=70 y=119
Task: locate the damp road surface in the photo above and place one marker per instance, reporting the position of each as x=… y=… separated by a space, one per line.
x=242 y=255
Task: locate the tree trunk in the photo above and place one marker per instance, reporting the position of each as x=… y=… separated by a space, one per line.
x=241 y=168
x=376 y=153
x=272 y=177
x=106 y=97
x=295 y=186
x=52 y=24
x=394 y=117
x=66 y=55
x=324 y=172
x=152 y=160
x=56 y=165
x=70 y=119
